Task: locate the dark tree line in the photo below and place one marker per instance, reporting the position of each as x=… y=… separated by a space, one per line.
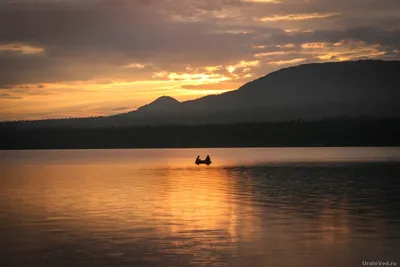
x=329 y=132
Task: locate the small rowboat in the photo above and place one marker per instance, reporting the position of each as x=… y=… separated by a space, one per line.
x=199 y=161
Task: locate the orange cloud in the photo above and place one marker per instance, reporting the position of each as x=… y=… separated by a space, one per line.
x=243 y=64
x=21 y=48
x=348 y=50
x=203 y=77
x=286 y=46
x=231 y=69
x=263 y=1
x=211 y=86
x=213 y=68
x=273 y=53
x=285 y=62
x=135 y=66
x=296 y=30
x=259 y=46
x=316 y=45
x=298 y=17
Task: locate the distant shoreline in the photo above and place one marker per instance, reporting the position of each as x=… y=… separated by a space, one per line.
x=323 y=133
x=144 y=148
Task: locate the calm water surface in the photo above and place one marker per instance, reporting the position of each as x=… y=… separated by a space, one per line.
x=251 y=207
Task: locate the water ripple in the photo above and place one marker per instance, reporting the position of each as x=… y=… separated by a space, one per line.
x=108 y=213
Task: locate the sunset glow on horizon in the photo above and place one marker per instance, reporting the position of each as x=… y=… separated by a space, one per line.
x=97 y=58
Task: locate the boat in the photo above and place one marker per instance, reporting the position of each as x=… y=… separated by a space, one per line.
x=201 y=161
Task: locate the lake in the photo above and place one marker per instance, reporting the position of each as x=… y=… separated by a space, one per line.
x=155 y=207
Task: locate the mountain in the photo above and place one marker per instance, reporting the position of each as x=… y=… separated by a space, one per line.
x=310 y=91
x=355 y=83
x=161 y=104
x=307 y=92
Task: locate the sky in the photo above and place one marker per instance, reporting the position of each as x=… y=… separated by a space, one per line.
x=78 y=58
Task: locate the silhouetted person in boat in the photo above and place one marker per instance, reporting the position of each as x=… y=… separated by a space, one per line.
x=198 y=158
x=208 y=158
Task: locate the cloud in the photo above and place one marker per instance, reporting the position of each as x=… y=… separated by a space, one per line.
x=272 y=53
x=102 y=37
x=120 y=40
x=286 y=62
x=263 y=1
x=21 y=48
x=296 y=17
x=135 y=66
x=202 y=77
x=123 y=49
x=213 y=68
x=122 y=109
x=243 y=65
x=211 y=86
x=313 y=45
x=8 y=96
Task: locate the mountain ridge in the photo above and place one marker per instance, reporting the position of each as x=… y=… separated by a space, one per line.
x=298 y=87
x=307 y=91
x=160 y=104
x=273 y=77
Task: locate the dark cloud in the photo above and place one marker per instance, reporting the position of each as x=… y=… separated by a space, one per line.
x=85 y=40
x=6 y=86
x=366 y=34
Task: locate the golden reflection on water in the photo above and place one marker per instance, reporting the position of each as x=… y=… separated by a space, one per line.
x=198 y=203
x=181 y=209
x=193 y=210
